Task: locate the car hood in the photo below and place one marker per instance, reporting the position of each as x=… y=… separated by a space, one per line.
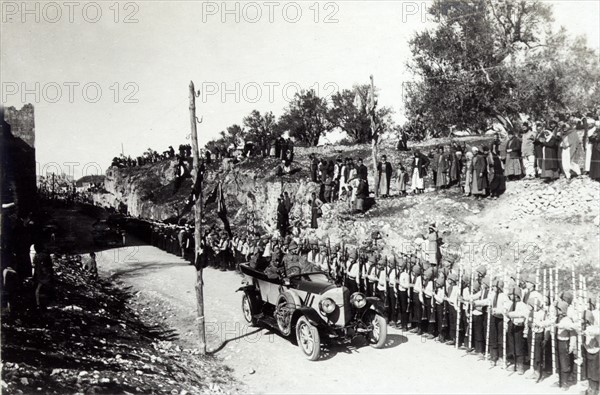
x=314 y=287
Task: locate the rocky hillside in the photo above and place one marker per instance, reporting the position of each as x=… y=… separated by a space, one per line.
x=532 y=224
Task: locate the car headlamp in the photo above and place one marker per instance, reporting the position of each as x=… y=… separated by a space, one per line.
x=358 y=300
x=327 y=305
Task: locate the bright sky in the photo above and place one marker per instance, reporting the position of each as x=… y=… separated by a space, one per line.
x=143 y=68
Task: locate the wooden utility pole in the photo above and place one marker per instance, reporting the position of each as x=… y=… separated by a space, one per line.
x=198 y=223
x=374 y=136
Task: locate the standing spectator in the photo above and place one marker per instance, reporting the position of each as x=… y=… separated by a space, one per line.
x=588 y=130
x=433 y=246
x=384 y=176
x=315 y=208
x=402 y=141
x=90 y=266
x=287 y=201
x=480 y=180
x=43 y=278
x=314 y=167
x=570 y=152
x=435 y=162
x=594 y=147
x=495 y=175
x=514 y=167
x=549 y=161
x=469 y=170
x=362 y=193
x=419 y=171
x=283 y=219
x=443 y=169
x=401 y=179
x=328 y=189
x=455 y=165
x=527 y=150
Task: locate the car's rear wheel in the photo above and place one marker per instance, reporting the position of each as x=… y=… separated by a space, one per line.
x=308 y=339
x=378 y=334
x=283 y=314
x=249 y=309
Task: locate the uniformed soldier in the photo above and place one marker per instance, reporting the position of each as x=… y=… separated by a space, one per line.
x=566 y=338
x=591 y=347
x=518 y=314
x=392 y=292
x=370 y=274
x=497 y=302
x=481 y=291
x=403 y=290
x=313 y=252
x=540 y=324
x=416 y=298
x=381 y=282
x=453 y=290
x=429 y=326
x=440 y=307
x=353 y=272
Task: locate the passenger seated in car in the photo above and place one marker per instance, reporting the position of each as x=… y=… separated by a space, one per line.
x=276 y=268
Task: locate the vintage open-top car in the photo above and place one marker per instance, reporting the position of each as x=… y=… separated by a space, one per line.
x=313 y=307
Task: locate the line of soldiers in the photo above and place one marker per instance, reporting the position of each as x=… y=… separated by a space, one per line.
x=493 y=316
x=174 y=239
x=508 y=319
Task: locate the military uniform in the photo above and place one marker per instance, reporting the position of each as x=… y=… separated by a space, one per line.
x=353 y=273
x=591 y=348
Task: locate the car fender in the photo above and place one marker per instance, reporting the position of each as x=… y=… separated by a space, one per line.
x=311 y=315
x=377 y=305
x=246 y=288
x=291 y=297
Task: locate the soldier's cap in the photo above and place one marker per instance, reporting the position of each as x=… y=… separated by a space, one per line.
x=337 y=247
x=439 y=281
x=323 y=244
x=428 y=274
x=482 y=270
x=453 y=277
x=315 y=246
x=485 y=281
x=354 y=255
x=534 y=301
x=416 y=270
x=381 y=261
x=515 y=291
x=562 y=307
x=372 y=259
x=476 y=287
x=567 y=296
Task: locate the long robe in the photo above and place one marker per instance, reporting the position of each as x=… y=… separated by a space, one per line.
x=514 y=165
x=595 y=156
x=549 y=163
x=496 y=175
x=480 y=180
x=443 y=168
x=384 y=172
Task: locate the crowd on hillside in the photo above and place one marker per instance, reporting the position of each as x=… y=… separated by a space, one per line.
x=152 y=156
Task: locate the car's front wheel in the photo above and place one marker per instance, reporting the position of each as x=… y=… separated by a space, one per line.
x=248 y=309
x=308 y=339
x=378 y=334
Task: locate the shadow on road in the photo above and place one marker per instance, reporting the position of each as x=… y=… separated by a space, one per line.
x=142 y=268
x=330 y=351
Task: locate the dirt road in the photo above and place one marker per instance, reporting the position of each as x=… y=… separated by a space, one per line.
x=268 y=363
